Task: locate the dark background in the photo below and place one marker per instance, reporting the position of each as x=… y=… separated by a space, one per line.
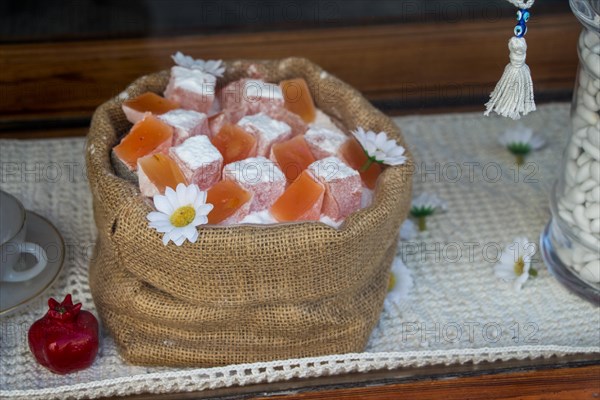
x=52 y=20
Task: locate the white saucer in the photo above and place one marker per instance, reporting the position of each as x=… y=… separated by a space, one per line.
x=16 y=295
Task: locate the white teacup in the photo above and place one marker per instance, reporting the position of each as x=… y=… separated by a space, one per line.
x=13 y=228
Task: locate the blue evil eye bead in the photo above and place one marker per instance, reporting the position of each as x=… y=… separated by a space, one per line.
x=526 y=15
x=520 y=30
x=519 y=15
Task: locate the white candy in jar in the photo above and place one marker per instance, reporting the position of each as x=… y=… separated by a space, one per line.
x=579 y=206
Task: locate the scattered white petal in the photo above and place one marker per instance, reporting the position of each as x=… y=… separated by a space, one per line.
x=408 y=230
x=514 y=265
x=402 y=284
x=521 y=135
x=429 y=201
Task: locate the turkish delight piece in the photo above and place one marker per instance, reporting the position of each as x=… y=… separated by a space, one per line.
x=186 y=123
x=234 y=143
x=249 y=94
x=216 y=122
x=259 y=218
x=193 y=89
x=328 y=221
x=148 y=136
x=354 y=155
x=366 y=198
x=266 y=130
x=228 y=116
x=301 y=201
x=297 y=124
x=199 y=160
x=323 y=120
x=343 y=187
x=298 y=98
x=261 y=177
x=157 y=172
x=324 y=142
x=231 y=203
x=135 y=108
x=293 y=156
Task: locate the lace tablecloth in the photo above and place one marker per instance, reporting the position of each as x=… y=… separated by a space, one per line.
x=457 y=311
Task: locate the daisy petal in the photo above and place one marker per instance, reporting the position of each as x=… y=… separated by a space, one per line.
x=155 y=216
x=172 y=197
x=182 y=198
x=166 y=238
x=179 y=241
x=163 y=205
x=204 y=209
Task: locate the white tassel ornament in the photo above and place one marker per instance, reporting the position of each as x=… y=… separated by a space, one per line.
x=513 y=95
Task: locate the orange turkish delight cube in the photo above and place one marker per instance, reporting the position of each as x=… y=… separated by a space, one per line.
x=293 y=156
x=301 y=201
x=231 y=203
x=135 y=108
x=298 y=98
x=234 y=143
x=148 y=136
x=157 y=172
x=354 y=155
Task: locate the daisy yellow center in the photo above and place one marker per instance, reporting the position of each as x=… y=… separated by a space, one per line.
x=392 y=282
x=183 y=216
x=519 y=266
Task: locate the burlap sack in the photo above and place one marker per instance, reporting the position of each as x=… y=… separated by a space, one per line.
x=245 y=293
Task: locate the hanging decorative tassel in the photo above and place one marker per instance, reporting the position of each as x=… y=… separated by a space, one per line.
x=513 y=95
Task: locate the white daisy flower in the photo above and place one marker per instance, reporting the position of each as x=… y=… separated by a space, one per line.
x=408 y=230
x=520 y=141
x=424 y=205
x=379 y=149
x=400 y=283
x=179 y=212
x=212 y=67
x=515 y=262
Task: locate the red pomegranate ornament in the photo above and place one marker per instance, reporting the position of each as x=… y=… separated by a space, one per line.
x=66 y=338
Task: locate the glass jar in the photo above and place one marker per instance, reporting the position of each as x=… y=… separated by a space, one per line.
x=571 y=241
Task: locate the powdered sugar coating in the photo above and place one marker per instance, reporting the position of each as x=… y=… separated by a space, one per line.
x=332 y=168
x=257 y=89
x=260 y=176
x=280 y=113
x=323 y=120
x=328 y=221
x=366 y=198
x=191 y=88
x=199 y=160
x=249 y=94
x=266 y=130
x=324 y=142
x=343 y=187
x=260 y=218
x=147 y=188
x=186 y=123
x=254 y=170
